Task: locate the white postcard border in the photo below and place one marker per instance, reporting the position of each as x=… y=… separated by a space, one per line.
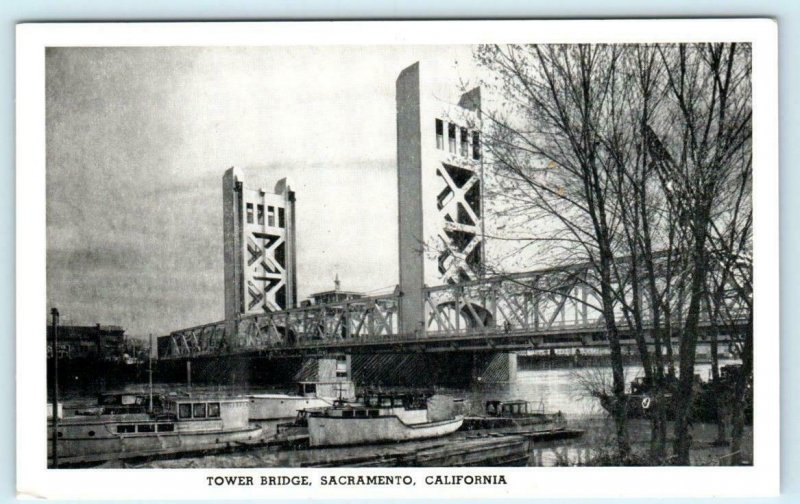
x=34 y=480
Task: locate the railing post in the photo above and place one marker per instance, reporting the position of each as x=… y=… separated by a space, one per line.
x=347 y=321
x=585 y=299
x=371 y=307
x=493 y=299
x=458 y=309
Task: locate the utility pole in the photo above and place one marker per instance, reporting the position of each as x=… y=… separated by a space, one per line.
x=54 y=313
x=150 y=372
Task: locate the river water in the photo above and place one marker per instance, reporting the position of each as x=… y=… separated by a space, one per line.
x=564 y=390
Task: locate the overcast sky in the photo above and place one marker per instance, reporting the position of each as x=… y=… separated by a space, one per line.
x=138 y=140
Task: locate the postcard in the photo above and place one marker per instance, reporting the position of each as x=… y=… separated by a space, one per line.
x=429 y=259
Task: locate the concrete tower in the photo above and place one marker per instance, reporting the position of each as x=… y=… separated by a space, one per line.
x=259 y=247
x=439 y=171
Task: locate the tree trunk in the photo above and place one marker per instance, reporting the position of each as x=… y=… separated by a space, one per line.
x=688 y=346
x=658 y=443
x=739 y=400
x=619 y=410
x=619 y=403
x=717 y=389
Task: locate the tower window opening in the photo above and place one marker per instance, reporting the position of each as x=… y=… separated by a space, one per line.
x=439 y=134
x=473 y=199
x=281 y=218
x=249 y=213
x=451 y=138
x=464 y=142
x=476 y=145
x=271 y=216
x=260 y=214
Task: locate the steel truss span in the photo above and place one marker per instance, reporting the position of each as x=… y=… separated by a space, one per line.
x=542 y=309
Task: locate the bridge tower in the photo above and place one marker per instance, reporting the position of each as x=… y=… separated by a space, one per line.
x=440 y=184
x=259 y=247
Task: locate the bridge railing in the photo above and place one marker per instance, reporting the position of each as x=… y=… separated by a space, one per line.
x=367 y=318
x=538 y=304
x=541 y=302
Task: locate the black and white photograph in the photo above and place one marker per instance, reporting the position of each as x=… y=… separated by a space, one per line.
x=461 y=261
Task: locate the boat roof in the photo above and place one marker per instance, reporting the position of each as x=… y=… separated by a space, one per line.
x=323 y=382
x=208 y=399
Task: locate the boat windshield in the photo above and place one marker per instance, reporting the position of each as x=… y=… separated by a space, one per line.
x=515 y=408
x=199 y=409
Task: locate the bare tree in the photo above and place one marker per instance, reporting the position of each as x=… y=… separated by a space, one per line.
x=627 y=157
x=701 y=146
x=730 y=297
x=546 y=142
x=648 y=231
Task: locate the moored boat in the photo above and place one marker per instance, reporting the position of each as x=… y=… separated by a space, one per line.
x=184 y=425
x=378 y=418
x=512 y=413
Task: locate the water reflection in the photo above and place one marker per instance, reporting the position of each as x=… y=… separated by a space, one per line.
x=561 y=456
x=562 y=390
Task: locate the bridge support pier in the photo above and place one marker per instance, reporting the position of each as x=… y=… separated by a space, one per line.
x=333 y=375
x=494 y=367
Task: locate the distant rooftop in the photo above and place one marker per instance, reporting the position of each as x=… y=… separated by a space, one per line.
x=337 y=294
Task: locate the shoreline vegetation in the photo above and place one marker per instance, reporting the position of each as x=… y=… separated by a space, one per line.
x=596 y=448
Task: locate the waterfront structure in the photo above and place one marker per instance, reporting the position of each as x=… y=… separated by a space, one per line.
x=259 y=247
x=439 y=175
x=103 y=342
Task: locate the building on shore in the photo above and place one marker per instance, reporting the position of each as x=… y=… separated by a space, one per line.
x=337 y=295
x=101 y=342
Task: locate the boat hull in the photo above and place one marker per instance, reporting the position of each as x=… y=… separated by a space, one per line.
x=95 y=449
x=337 y=431
x=544 y=420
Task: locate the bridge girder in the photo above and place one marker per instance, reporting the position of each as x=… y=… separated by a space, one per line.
x=519 y=311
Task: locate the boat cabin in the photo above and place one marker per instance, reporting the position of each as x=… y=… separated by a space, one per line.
x=393 y=400
x=507 y=408
x=121 y=404
x=412 y=407
x=118 y=404
x=233 y=413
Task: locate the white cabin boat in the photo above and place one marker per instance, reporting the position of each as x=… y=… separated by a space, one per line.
x=378 y=418
x=311 y=395
x=185 y=425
